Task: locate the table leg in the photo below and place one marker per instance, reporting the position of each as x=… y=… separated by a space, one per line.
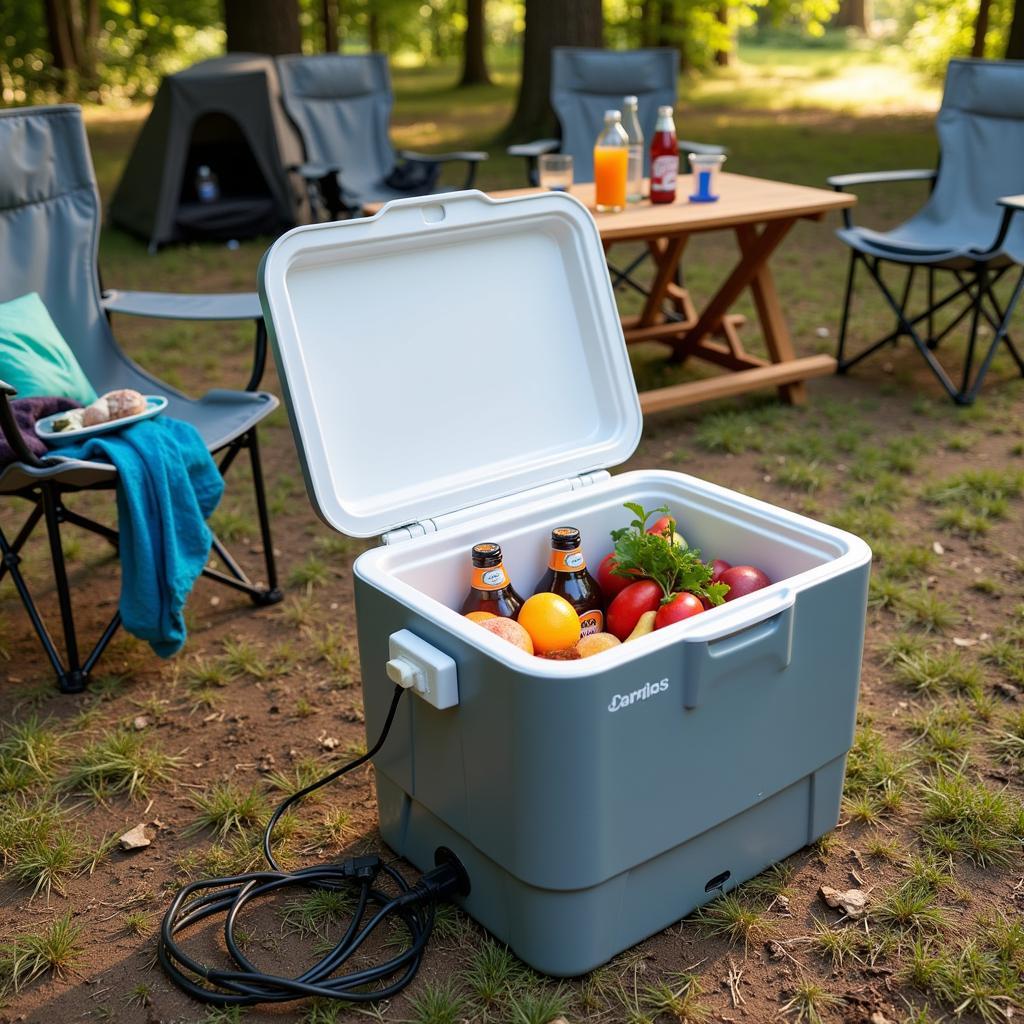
x=769 y=310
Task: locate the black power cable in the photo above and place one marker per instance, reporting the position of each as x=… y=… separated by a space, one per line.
x=247 y=985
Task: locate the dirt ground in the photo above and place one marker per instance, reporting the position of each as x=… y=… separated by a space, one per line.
x=931 y=828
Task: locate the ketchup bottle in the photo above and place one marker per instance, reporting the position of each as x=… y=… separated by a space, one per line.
x=664 y=158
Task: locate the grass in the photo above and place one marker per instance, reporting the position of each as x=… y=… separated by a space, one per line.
x=808 y=1002
x=927 y=672
x=493 y=971
x=838 y=945
x=677 y=997
x=972 y=820
x=539 y=1005
x=225 y=808
x=734 y=918
x=121 y=763
x=315 y=912
x=910 y=909
x=56 y=949
x=439 y=1002
x=1008 y=741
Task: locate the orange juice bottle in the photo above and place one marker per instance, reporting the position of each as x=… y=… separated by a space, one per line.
x=611 y=164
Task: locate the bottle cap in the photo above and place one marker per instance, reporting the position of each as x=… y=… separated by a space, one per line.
x=665 y=111
x=629 y=101
x=613 y=115
x=203 y=169
x=486 y=555
x=565 y=538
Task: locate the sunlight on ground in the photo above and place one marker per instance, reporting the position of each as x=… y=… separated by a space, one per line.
x=838 y=83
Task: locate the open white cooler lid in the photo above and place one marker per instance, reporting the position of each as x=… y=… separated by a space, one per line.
x=448 y=351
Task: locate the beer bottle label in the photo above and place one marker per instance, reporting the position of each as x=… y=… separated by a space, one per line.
x=494 y=578
x=567 y=561
x=591 y=622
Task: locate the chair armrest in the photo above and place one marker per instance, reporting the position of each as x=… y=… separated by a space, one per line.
x=708 y=148
x=1010 y=205
x=175 y=306
x=11 y=433
x=469 y=155
x=532 y=150
x=841 y=181
x=314 y=171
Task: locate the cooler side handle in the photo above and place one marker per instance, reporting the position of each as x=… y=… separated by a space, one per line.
x=762 y=632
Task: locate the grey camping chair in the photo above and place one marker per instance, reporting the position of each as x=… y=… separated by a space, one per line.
x=585 y=83
x=966 y=230
x=49 y=230
x=341 y=105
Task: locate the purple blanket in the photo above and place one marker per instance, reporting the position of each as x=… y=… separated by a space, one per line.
x=26 y=412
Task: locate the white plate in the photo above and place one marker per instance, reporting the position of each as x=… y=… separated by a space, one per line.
x=155 y=404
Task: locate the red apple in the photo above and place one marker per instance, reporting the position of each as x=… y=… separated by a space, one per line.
x=743 y=580
x=607 y=580
x=667 y=525
x=717 y=568
x=682 y=606
x=629 y=604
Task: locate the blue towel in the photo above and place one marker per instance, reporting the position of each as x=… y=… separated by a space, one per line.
x=167 y=486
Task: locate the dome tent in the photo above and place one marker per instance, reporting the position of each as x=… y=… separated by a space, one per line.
x=226 y=114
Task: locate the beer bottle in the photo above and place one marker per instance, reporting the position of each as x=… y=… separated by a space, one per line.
x=567 y=576
x=491 y=589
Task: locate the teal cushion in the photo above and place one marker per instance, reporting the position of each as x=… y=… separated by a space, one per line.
x=34 y=358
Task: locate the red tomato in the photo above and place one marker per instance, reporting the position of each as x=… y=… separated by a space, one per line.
x=629 y=604
x=609 y=583
x=666 y=524
x=743 y=580
x=717 y=568
x=682 y=606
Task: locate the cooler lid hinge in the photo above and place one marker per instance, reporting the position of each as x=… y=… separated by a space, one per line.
x=438 y=523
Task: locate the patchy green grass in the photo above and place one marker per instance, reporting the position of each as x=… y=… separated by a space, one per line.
x=120 y=763
x=56 y=949
x=735 y=918
x=226 y=807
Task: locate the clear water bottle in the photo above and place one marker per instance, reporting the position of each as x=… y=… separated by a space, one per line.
x=635 y=175
x=207 y=186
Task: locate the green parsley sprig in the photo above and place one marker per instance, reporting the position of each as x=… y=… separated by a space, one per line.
x=674 y=567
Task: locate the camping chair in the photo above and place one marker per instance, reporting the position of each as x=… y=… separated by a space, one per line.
x=584 y=84
x=49 y=229
x=341 y=106
x=966 y=229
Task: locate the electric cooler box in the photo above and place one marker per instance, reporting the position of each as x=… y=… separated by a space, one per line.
x=455 y=372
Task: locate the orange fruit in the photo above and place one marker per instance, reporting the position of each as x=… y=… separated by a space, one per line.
x=480 y=616
x=551 y=621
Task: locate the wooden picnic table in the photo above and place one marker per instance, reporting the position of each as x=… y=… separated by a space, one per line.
x=761 y=214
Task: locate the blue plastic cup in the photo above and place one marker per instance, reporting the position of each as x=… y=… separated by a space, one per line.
x=705 y=167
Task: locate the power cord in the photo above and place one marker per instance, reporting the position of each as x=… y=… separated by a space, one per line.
x=248 y=985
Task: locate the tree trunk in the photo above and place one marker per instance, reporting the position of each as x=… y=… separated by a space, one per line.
x=1015 y=42
x=854 y=14
x=722 y=57
x=262 y=26
x=648 y=21
x=550 y=23
x=670 y=32
x=59 y=31
x=373 y=30
x=329 y=16
x=981 y=28
x=474 y=60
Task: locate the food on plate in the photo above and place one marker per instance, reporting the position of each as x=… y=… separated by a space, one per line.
x=114 y=405
x=551 y=621
x=595 y=643
x=480 y=616
x=677 y=608
x=490 y=589
x=568 y=577
x=510 y=630
x=742 y=580
x=644 y=625
x=625 y=610
x=71 y=420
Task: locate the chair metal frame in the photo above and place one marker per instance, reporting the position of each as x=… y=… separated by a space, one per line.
x=47 y=498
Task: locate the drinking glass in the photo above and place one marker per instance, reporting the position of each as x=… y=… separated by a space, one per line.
x=555 y=172
x=705 y=167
